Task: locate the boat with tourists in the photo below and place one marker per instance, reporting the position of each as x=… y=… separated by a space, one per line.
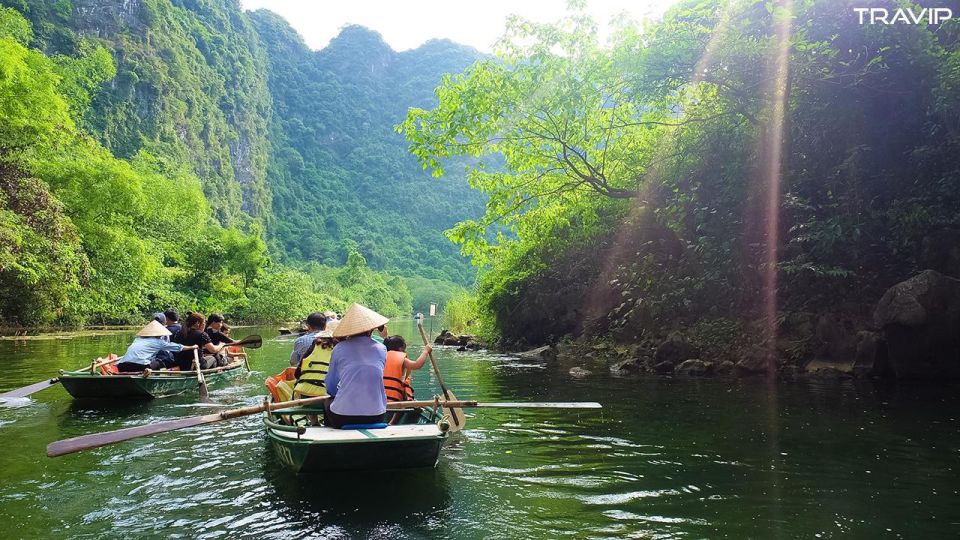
x=91 y=383
x=412 y=438
x=307 y=448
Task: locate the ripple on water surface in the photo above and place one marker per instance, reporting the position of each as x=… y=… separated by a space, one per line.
x=663 y=459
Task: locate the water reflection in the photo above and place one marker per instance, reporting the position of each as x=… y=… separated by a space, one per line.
x=364 y=504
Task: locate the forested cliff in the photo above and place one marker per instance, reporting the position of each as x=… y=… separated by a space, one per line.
x=740 y=181
x=152 y=150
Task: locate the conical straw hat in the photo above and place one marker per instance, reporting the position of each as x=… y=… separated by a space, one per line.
x=359 y=320
x=154 y=329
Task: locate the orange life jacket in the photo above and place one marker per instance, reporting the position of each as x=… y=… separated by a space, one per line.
x=396 y=387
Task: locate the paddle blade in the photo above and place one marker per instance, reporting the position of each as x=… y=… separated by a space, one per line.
x=27 y=390
x=204 y=395
x=249 y=342
x=457 y=419
x=85 y=442
x=542 y=405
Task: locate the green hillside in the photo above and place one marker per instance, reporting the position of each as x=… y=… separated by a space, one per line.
x=153 y=150
x=339 y=173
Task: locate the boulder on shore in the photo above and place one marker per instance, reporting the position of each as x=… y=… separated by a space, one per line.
x=725 y=368
x=694 y=368
x=546 y=352
x=919 y=319
x=674 y=349
x=756 y=360
x=663 y=368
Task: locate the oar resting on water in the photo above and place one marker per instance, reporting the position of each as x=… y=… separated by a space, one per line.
x=94 y=440
x=43 y=385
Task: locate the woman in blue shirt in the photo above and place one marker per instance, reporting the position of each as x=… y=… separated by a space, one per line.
x=142 y=353
x=355 y=378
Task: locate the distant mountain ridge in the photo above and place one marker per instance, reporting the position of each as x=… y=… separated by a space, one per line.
x=339 y=172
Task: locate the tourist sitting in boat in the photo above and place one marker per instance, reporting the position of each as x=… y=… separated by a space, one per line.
x=355 y=379
x=399 y=368
x=173 y=323
x=192 y=334
x=142 y=353
x=316 y=322
x=312 y=371
x=164 y=357
x=215 y=330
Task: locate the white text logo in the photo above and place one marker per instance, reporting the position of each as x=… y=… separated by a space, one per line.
x=903 y=15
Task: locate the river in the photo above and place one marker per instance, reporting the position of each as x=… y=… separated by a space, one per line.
x=664 y=458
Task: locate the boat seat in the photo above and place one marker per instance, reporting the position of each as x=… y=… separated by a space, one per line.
x=378 y=425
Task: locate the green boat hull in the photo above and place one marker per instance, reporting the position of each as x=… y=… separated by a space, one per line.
x=370 y=450
x=84 y=385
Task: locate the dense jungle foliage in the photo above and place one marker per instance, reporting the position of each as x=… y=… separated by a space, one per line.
x=103 y=213
x=638 y=173
x=185 y=153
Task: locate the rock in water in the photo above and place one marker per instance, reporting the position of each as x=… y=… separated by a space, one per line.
x=579 y=372
x=625 y=367
x=920 y=319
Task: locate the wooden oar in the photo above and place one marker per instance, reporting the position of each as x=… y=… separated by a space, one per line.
x=457 y=418
x=85 y=442
x=516 y=405
x=204 y=395
x=43 y=385
x=94 y=440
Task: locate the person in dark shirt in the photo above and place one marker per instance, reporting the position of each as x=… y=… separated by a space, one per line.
x=215 y=330
x=173 y=324
x=193 y=333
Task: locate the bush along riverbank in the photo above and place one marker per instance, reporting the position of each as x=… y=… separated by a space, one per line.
x=910 y=333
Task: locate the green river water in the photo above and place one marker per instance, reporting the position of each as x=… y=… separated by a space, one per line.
x=664 y=458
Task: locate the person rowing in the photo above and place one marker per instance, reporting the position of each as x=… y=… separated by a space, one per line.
x=397 y=374
x=399 y=368
x=355 y=378
x=142 y=353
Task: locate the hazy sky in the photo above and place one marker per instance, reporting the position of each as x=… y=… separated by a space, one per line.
x=406 y=24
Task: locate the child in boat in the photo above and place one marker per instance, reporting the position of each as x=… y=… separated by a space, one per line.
x=142 y=353
x=399 y=368
x=232 y=352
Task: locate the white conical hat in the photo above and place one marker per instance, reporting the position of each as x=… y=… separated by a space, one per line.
x=154 y=329
x=359 y=320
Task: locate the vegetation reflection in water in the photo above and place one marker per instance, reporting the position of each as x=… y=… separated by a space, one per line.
x=664 y=458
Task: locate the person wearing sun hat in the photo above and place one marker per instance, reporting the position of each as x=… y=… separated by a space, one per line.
x=142 y=353
x=355 y=377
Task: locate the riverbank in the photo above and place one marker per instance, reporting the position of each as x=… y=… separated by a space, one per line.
x=910 y=333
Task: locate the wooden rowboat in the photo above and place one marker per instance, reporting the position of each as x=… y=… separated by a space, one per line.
x=82 y=384
x=315 y=448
